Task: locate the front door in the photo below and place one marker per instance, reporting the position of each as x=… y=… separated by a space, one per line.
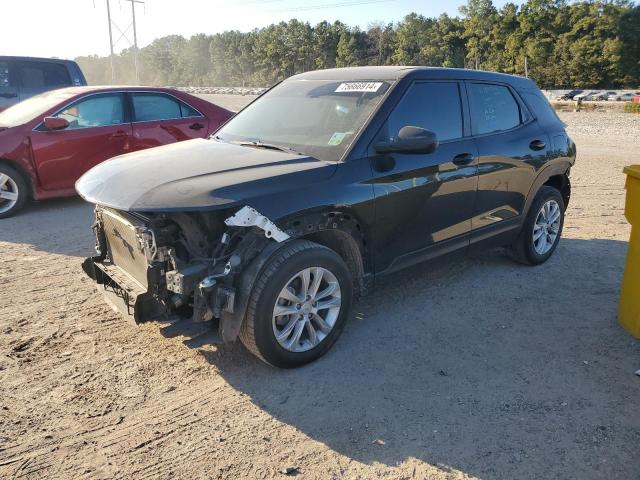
x=98 y=130
x=424 y=202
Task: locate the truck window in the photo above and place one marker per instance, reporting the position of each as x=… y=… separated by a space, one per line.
x=493 y=108
x=4 y=75
x=43 y=75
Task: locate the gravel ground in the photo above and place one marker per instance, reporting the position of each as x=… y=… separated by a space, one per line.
x=478 y=368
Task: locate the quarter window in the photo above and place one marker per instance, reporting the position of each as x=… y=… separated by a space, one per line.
x=434 y=106
x=95 y=111
x=152 y=106
x=493 y=108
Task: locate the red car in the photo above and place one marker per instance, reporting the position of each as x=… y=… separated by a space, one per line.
x=48 y=141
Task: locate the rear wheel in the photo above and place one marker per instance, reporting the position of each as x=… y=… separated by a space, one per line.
x=13 y=191
x=299 y=305
x=542 y=228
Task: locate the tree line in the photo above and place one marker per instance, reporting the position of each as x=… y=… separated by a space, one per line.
x=564 y=44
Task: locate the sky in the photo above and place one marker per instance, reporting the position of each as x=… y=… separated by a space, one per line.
x=71 y=28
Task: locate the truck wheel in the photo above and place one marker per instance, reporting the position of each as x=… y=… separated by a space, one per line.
x=298 y=306
x=13 y=191
x=542 y=228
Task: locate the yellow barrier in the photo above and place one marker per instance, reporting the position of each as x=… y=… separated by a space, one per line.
x=629 y=312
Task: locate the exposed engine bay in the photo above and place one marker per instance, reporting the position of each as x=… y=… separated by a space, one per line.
x=155 y=266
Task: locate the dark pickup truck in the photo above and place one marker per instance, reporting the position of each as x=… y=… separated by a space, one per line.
x=24 y=77
x=330 y=180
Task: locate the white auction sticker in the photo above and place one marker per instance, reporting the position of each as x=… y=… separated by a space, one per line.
x=359 y=87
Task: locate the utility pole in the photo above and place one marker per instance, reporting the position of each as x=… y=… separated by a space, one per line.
x=113 y=72
x=123 y=34
x=135 y=36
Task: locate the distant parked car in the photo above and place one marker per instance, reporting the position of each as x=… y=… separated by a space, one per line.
x=604 y=96
x=569 y=95
x=24 y=77
x=48 y=141
x=586 y=96
x=624 y=97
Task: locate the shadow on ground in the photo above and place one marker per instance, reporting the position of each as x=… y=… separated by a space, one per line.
x=56 y=226
x=482 y=366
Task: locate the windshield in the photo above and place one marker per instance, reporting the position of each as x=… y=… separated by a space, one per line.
x=320 y=118
x=27 y=110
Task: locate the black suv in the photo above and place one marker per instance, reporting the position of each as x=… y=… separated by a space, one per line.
x=325 y=183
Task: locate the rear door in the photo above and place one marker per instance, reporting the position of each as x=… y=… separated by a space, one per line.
x=9 y=91
x=160 y=119
x=99 y=129
x=511 y=147
x=39 y=77
x=424 y=202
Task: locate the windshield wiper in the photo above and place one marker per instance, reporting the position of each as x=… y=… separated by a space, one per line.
x=269 y=146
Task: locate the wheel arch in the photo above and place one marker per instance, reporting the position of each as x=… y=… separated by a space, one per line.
x=338 y=229
x=342 y=231
x=556 y=176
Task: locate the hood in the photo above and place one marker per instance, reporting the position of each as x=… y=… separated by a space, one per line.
x=197 y=175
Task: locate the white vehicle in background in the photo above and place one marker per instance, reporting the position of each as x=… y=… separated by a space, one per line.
x=623 y=97
x=604 y=96
x=586 y=95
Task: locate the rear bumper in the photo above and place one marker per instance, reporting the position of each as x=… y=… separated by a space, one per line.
x=123 y=294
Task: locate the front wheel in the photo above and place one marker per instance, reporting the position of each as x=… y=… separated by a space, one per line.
x=299 y=305
x=13 y=191
x=542 y=228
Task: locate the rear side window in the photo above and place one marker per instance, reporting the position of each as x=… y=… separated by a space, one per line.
x=537 y=102
x=433 y=106
x=95 y=111
x=41 y=75
x=153 y=106
x=493 y=108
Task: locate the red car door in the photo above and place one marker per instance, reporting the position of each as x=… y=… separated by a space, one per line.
x=98 y=130
x=160 y=119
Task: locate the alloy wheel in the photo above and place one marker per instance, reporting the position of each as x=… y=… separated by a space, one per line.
x=546 y=227
x=8 y=193
x=306 y=309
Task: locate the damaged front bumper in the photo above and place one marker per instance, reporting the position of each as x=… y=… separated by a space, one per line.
x=143 y=281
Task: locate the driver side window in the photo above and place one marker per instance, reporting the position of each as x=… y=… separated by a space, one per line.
x=434 y=106
x=95 y=111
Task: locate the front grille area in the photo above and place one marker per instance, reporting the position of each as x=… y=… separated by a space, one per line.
x=122 y=244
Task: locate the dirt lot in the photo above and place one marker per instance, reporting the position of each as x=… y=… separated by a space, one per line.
x=476 y=369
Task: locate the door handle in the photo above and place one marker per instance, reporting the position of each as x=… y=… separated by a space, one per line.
x=537 y=145
x=463 y=159
x=119 y=134
x=8 y=95
x=196 y=126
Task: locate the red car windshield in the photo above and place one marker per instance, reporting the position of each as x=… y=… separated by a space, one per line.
x=27 y=110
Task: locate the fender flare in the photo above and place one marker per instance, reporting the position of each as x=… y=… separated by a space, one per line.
x=544 y=175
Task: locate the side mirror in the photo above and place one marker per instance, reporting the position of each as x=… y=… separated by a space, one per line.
x=55 y=123
x=409 y=140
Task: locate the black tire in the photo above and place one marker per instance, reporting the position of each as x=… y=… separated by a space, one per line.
x=257 y=333
x=523 y=249
x=22 y=190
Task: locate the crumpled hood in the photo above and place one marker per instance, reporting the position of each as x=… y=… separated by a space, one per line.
x=197 y=175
